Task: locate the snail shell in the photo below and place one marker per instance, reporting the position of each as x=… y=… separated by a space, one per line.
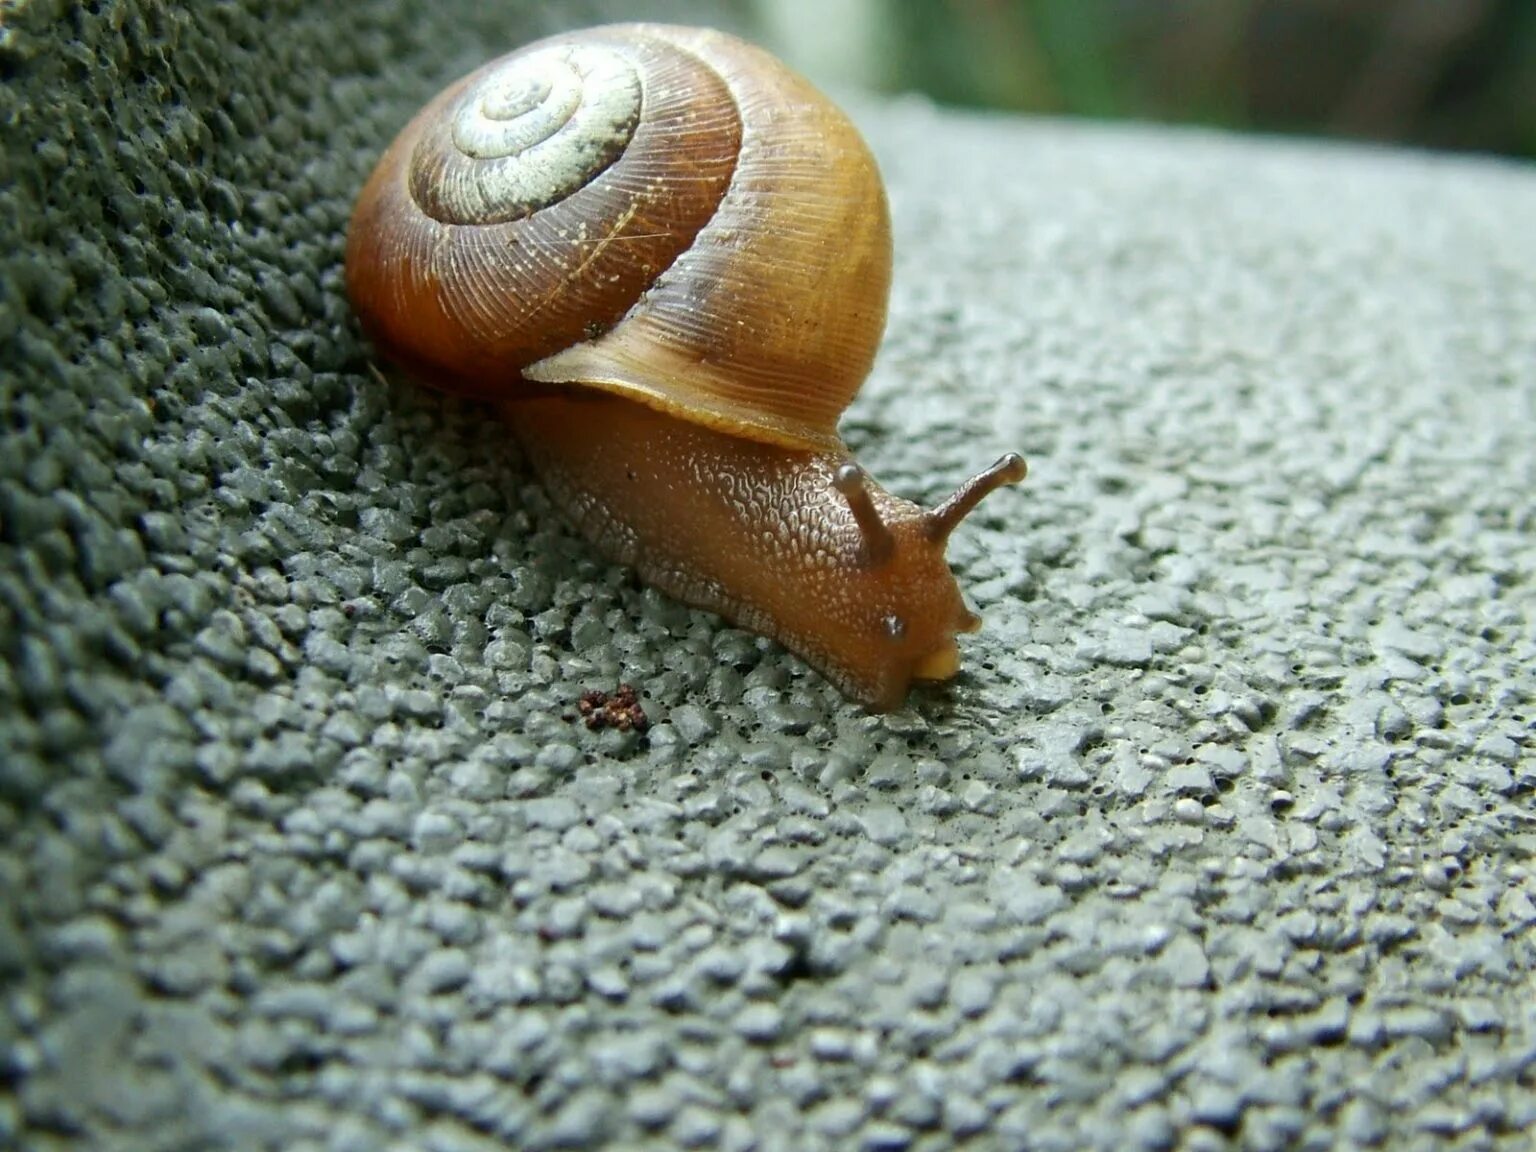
x=677 y=180
x=666 y=258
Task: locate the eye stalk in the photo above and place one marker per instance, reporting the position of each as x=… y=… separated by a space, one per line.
x=1009 y=469
x=853 y=482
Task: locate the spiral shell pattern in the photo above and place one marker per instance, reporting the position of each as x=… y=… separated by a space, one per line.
x=528 y=136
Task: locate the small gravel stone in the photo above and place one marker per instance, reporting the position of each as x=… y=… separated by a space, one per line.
x=554 y=813
x=436 y=832
x=760 y=1022
x=884 y=824
x=442 y=971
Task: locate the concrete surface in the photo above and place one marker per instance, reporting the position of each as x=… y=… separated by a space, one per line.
x=1226 y=839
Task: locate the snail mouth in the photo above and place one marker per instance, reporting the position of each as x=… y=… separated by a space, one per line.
x=940 y=664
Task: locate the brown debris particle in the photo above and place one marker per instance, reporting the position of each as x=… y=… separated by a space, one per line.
x=620 y=710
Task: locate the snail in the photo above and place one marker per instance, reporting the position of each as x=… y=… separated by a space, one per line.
x=665 y=257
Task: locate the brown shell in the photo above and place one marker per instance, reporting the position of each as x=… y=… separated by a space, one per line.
x=729 y=262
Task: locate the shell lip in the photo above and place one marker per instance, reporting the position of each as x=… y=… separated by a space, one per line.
x=571 y=369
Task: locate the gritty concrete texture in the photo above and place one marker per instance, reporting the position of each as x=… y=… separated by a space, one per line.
x=1224 y=840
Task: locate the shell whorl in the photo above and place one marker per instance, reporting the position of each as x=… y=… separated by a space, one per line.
x=527 y=135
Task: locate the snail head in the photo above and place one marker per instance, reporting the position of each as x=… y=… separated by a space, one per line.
x=908 y=602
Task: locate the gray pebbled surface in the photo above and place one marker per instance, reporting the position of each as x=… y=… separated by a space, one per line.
x=1225 y=840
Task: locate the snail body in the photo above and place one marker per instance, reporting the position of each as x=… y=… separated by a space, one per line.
x=665 y=258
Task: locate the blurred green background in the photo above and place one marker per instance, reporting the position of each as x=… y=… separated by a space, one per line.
x=1452 y=74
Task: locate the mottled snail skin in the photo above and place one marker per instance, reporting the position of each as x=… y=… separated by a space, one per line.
x=665 y=258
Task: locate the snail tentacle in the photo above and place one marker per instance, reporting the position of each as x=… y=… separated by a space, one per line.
x=852 y=481
x=941 y=521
